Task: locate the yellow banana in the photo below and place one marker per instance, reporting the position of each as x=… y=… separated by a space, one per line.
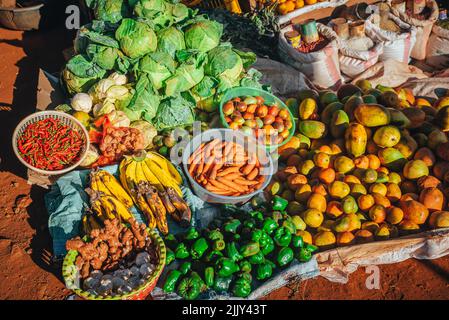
x=109 y=208
x=86 y=225
x=165 y=164
x=150 y=177
x=122 y=174
x=114 y=187
x=98 y=186
x=147 y=211
x=119 y=208
x=130 y=177
x=163 y=177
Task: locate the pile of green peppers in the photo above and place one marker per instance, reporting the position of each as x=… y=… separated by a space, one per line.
x=234 y=249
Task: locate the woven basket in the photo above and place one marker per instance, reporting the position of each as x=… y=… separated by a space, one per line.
x=70 y=274
x=66 y=119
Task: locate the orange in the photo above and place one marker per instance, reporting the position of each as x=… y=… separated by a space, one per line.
x=299 y=4
x=317 y=201
x=326 y=175
x=377 y=213
x=321 y=159
x=309 y=2
x=365 y=202
x=374 y=162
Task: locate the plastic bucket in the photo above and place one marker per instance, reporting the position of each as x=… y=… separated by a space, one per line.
x=269 y=99
x=267 y=166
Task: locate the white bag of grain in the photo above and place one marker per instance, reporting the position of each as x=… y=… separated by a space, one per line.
x=322 y=66
x=423 y=28
x=438 y=48
x=397 y=46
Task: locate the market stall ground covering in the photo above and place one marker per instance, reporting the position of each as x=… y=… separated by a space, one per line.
x=25 y=244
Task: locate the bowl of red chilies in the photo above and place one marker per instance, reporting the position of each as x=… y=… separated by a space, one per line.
x=50 y=142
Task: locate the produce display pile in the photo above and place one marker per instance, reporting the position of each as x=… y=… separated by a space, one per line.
x=152 y=65
x=236 y=248
x=366 y=164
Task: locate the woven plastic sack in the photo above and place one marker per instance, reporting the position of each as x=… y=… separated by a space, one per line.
x=423 y=28
x=321 y=67
x=438 y=48
x=395 y=46
x=354 y=62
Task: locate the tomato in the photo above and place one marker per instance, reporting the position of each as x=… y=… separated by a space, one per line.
x=268 y=129
x=279 y=125
x=236 y=114
x=228 y=108
x=284 y=134
x=279 y=139
x=237 y=99
x=260 y=100
x=262 y=111
x=248 y=115
x=241 y=106
x=283 y=114
x=288 y=124
x=228 y=119
x=251 y=123
x=251 y=108
x=273 y=110
x=269 y=119
x=239 y=120
x=234 y=125
x=259 y=122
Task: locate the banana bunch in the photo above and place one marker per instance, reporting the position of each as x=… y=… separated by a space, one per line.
x=104 y=182
x=153 y=183
x=89 y=223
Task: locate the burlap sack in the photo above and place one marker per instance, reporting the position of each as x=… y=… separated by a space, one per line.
x=438 y=48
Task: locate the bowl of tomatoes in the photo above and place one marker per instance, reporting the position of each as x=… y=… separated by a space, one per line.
x=258 y=113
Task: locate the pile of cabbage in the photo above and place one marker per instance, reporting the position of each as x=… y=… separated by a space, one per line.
x=171 y=60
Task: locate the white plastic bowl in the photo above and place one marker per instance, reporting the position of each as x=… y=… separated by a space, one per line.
x=267 y=167
x=65 y=119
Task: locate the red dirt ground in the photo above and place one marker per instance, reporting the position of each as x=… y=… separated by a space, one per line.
x=25 y=245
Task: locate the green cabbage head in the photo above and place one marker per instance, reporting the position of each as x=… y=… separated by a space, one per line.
x=203 y=35
x=111 y=10
x=225 y=65
x=159 y=66
x=136 y=38
x=170 y=40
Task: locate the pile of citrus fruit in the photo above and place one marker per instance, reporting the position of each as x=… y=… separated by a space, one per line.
x=286 y=6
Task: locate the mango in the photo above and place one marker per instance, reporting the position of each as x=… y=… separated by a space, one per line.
x=377 y=213
x=306 y=167
x=325 y=226
x=369 y=98
x=383 y=233
x=327 y=97
x=383 y=88
x=308 y=93
x=398 y=118
x=334 y=209
x=369 y=175
x=442 y=118
x=415 y=169
x=433 y=199
x=372 y=115
x=435 y=138
x=358 y=190
x=292 y=146
x=364 y=236
x=408 y=227
x=312 y=129
x=351 y=105
x=306 y=236
x=394 y=177
x=324 y=239
x=414 y=211
x=387 y=136
x=391 y=158
x=415 y=115
x=299 y=223
x=307 y=108
x=439 y=219
x=339 y=123
x=342 y=224
x=345 y=239
x=389 y=99
x=293 y=106
x=329 y=110
x=313 y=218
x=349 y=205
x=364 y=85
x=343 y=164
x=348 y=90
x=303 y=193
x=393 y=192
x=355 y=139
x=421 y=139
x=382 y=177
x=295 y=208
x=374 y=92
x=426 y=155
x=371 y=226
x=317 y=201
x=339 y=189
x=395 y=215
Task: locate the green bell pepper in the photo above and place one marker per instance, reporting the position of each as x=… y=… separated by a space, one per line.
x=236 y=237
x=209 y=274
x=304 y=255
x=250 y=249
x=232 y=252
x=246 y=275
x=232 y=226
x=225 y=267
x=256 y=215
x=199 y=247
x=264 y=239
x=219 y=245
x=264 y=271
x=269 y=225
x=212 y=256
x=181 y=251
x=268 y=247
x=278 y=203
x=257 y=258
x=289 y=225
x=256 y=234
x=245 y=266
x=185 y=267
x=241 y=288
x=170 y=256
x=195 y=275
x=258 y=202
x=171 y=280
x=284 y=256
x=282 y=237
x=277 y=216
x=214 y=235
x=191 y=234
x=297 y=241
x=311 y=247
x=221 y=284
x=189 y=288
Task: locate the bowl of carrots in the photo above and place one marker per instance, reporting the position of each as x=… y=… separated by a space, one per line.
x=258 y=113
x=227 y=166
x=50 y=142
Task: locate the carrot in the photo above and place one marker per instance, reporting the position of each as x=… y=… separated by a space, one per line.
x=246 y=170
x=220 y=185
x=232 y=184
x=227 y=171
x=196 y=152
x=245 y=182
x=208 y=148
x=233 y=176
x=217 y=166
x=253 y=174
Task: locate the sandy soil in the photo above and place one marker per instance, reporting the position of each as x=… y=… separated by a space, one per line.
x=26 y=268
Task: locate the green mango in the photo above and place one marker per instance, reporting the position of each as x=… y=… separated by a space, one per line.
x=369 y=98
x=372 y=115
x=312 y=129
x=351 y=104
x=391 y=158
x=328 y=111
x=398 y=118
x=339 y=124
x=442 y=118
x=387 y=136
